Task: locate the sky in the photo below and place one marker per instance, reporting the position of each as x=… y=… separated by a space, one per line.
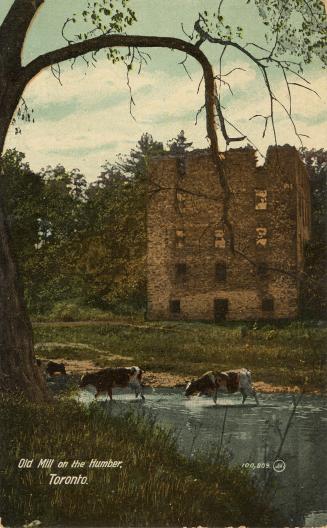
x=86 y=121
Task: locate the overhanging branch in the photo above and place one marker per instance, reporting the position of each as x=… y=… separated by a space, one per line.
x=107 y=41
x=112 y=41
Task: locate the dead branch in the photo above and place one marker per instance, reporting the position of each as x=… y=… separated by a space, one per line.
x=231 y=71
x=186 y=70
x=266 y=118
x=305 y=87
x=263 y=64
x=131 y=99
x=227 y=138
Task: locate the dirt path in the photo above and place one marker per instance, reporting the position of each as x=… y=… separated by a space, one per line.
x=53 y=345
x=167 y=379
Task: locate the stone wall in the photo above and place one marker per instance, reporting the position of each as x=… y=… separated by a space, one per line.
x=190 y=266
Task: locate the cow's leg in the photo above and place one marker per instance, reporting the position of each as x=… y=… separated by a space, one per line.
x=136 y=388
x=215 y=396
x=139 y=391
x=254 y=394
x=110 y=394
x=244 y=396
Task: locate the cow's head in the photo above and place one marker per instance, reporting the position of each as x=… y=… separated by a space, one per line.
x=190 y=388
x=61 y=368
x=136 y=372
x=86 y=379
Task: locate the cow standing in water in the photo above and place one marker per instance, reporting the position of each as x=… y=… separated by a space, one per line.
x=238 y=380
x=106 y=379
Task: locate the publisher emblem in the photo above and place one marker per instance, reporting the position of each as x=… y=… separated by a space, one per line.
x=279 y=466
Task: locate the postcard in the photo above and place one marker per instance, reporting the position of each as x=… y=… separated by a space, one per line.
x=163 y=261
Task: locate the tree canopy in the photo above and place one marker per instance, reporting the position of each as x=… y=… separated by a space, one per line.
x=80 y=242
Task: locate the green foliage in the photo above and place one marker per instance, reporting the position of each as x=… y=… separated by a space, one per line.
x=44 y=212
x=64 y=311
x=82 y=246
x=76 y=311
x=156 y=486
x=22 y=191
x=114 y=246
x=292 y=355
x=179 y=144
x=215 y=23
x=81 y=242
x=296 y=28
x=61 y=223
x=314 y=284
x=101 y=17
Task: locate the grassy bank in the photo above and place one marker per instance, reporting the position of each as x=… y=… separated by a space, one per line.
x=294 y=354
x=156 y=486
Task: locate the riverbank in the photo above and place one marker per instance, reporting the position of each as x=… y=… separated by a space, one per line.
x=152 y=483
x=282 y=359
x=77 y=368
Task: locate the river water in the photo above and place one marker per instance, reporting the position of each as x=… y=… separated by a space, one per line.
x=247 y=434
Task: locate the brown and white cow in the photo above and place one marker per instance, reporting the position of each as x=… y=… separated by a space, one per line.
x=106 y=379
x=237 y=380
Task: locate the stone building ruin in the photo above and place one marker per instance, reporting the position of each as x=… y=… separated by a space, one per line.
x=191 y=272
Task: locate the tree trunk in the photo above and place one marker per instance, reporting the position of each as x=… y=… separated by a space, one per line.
x=18 y=370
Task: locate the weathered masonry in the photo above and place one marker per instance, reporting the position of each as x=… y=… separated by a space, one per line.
x=191 y=271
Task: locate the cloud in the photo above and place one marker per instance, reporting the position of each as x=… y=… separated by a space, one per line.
x=308 y=111
x=87 y=120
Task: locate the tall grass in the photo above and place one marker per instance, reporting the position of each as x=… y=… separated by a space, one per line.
x=156 y=486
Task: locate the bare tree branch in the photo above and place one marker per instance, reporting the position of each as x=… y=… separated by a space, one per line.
x=186 y=34
x=186 y=70
x=246 y=137
x=266 y=118
x=131 y=99
x=227 y=138
x=231 y=71
x=198 y=113
x=63 y=31
x=263 y=64
x=269 y=268
x=305 y=87
x=199 y=86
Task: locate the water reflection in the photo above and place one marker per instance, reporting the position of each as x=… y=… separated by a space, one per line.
x=252 y=435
